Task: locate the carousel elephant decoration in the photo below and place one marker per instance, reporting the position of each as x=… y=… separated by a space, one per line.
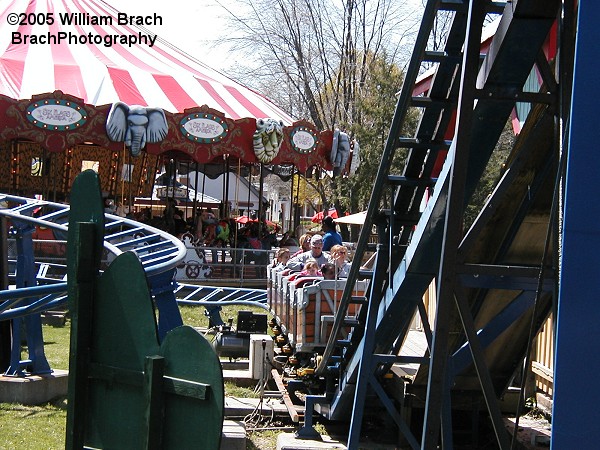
x=355 y=161
x=267 y=139
x=340 y=151
x=136 y=125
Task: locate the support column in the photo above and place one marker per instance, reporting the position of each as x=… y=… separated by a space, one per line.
x=574 y=415
x=5 y=333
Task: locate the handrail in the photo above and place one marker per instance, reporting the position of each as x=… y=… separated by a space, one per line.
x=412 y=72
x=60 y=211
x=34 y=291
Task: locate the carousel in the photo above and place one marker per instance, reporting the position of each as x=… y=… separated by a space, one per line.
x=137 y=114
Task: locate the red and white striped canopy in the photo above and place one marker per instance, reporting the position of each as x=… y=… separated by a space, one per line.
x=160 y=75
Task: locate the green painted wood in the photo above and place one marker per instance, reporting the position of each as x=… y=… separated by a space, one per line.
x=125 y=390
x=186 y=388
x=85 y=206
x=80 y=291
x=125 y=333
x=154 y=401
x=121 y=412
x=84 y=249
x=110 y=374
x=191 y=422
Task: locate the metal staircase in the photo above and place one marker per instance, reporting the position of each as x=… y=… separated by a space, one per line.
x=417 y=247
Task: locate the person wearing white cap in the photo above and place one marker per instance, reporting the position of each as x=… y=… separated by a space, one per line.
x=316 y=252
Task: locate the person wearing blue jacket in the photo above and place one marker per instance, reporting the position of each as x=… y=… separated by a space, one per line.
x=331 y=237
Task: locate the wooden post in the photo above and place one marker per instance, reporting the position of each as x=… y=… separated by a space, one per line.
x=81 y=299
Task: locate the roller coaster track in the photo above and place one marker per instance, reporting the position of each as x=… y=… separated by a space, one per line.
x=157 y=250
x=44 y=286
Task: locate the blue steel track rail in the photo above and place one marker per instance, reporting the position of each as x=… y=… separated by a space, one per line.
x=159 y=253
x=157 y=250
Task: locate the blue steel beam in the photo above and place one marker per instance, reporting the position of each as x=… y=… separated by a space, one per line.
x=436 y=401
x=32 y=323
x=575 y=414
x=462 y=359
x=507 y=64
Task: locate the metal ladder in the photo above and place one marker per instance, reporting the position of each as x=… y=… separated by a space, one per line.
x=395 y=225
x=413 y=245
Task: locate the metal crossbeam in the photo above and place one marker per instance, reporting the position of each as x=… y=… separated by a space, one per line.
x=415 y=256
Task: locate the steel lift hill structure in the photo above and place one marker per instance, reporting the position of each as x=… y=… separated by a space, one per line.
x=532 y=250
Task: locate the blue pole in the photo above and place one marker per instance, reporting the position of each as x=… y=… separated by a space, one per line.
x=36 y=363
x=575 y=414
x=162 y=288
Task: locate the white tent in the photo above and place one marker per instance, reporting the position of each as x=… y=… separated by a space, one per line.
x=240 y=194
x=353 y=219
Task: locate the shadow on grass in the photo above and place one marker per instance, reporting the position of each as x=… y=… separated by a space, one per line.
x=53 y=407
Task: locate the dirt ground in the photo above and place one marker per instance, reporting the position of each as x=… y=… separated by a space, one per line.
x=534 y=431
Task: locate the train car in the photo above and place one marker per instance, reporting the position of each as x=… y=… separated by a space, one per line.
x=304 y=310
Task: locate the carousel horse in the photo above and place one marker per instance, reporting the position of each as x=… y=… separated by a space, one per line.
x=144 y=215
x=216 y=234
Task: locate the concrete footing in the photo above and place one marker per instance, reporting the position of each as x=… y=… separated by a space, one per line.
x=34 y=390
x=288 y=441
x=234 y=435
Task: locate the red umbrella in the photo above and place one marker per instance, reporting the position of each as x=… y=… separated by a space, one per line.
x=318 y=217
x=246 y=219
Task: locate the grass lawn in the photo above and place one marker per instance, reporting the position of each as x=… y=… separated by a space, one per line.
x=33 y=427
x=43 y=426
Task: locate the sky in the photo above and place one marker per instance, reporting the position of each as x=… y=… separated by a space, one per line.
x=194 y=26
x=197 y=27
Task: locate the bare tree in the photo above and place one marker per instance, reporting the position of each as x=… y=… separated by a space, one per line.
x=313 y=56
x=315 y=59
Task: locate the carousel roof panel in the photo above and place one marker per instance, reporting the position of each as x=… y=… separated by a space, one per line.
x=158 y=75
x=58 y=93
